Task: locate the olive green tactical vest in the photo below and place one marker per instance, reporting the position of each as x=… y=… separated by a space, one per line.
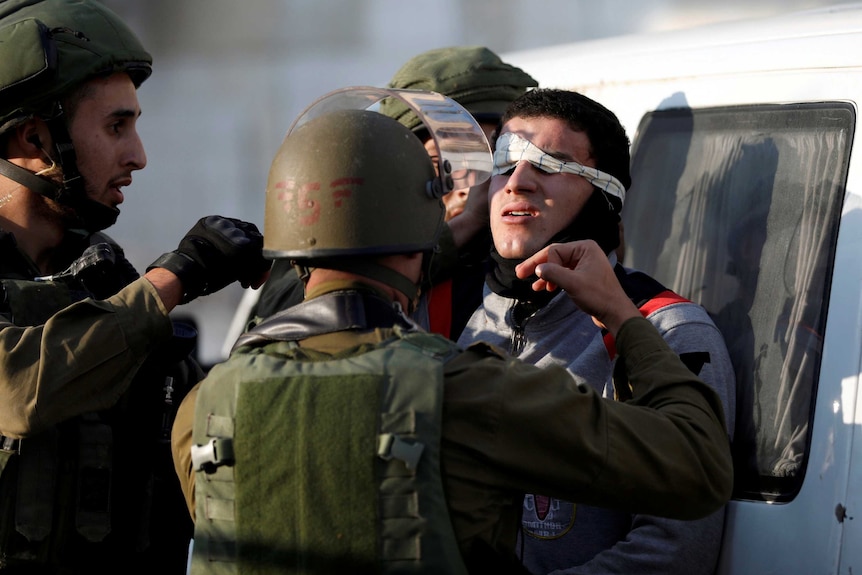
x=81 y=497
x=29 y=479
x=311 y=463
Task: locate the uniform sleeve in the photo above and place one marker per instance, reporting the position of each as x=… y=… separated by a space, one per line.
x=82 y=359
x=665 y=452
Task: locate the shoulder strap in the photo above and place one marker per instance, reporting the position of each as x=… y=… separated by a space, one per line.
x=28 y=303
x=646 y=293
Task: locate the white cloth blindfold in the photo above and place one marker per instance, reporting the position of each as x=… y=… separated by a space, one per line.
x=512 y=149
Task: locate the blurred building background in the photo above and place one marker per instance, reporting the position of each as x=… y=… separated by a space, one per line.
x=230 y=76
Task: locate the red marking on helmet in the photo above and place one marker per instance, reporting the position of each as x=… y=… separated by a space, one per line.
x=342 y=192
x=347 y=182
x=307 y=204
x=337 y=195
x=286 y=197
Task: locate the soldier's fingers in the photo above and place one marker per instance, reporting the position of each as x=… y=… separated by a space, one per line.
x=551 y=276
x=528 y=267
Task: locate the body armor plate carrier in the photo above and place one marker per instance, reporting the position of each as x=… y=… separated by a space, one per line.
x=312 y=463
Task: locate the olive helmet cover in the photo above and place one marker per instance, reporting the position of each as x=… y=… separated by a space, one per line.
x=473 y=76
x=48 y=47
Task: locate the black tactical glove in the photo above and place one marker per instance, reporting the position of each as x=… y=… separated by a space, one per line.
x=216 y=252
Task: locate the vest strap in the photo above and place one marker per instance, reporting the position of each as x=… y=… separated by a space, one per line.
x=391 y=446
x=10 y=444
x=95 y=475
x=213 y=454
x=37 y=471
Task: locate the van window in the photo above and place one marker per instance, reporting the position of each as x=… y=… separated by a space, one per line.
x=737 y=209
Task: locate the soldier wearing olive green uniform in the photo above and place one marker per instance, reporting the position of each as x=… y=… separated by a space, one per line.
x=92 y=367
x=276 y=485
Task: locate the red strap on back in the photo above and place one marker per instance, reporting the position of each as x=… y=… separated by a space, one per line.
x=661 y=300
x=440 y=308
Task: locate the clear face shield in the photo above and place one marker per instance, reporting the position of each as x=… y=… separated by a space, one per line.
x=464 y=154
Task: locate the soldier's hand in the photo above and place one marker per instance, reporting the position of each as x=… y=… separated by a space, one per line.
x=214 y=253
x=582 y=269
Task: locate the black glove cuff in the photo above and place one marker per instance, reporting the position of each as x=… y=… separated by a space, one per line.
x=188 y=270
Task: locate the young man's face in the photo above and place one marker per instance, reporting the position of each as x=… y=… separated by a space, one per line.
x=528 y=206
x=107 y=145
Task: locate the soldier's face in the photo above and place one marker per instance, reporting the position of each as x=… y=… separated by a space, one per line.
x=103 y=131
x=529 y=206
x=456 y=200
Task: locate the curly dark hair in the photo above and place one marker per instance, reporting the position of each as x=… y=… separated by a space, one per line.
x=608 y=140
x=609 y=146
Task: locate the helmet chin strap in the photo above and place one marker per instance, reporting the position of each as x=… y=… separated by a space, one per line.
x=25 y=177
x=93 y=216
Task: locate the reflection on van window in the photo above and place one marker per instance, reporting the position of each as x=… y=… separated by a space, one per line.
x=738 y=209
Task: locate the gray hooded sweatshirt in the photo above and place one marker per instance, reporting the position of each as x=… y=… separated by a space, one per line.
x=562 y=537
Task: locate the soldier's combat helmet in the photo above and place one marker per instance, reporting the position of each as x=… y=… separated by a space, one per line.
x=349 y=183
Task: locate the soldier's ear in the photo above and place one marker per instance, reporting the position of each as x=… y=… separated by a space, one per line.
x=30 y=139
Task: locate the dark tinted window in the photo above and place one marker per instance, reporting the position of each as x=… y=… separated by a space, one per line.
x=738 y=210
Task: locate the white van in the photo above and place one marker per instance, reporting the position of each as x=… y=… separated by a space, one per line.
x=747 y=198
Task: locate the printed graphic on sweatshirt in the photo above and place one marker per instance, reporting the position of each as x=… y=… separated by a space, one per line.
x=546 y=517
